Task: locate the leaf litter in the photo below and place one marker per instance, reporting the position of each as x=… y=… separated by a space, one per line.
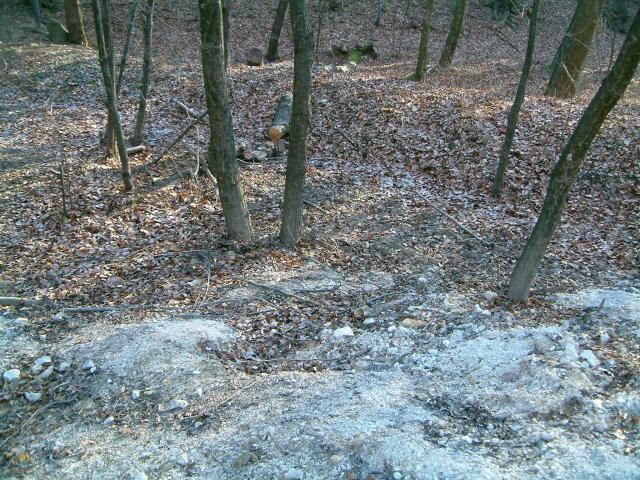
x=436 y=382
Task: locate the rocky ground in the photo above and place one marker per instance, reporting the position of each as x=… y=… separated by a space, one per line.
x=383 y=348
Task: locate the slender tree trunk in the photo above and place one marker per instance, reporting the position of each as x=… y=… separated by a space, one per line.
x=378 y=13
x=102 y=18
x=226 y=11
x=222 y=155
x=278 y=20
x=423 y=51
x=570 y=57
x=127 y=44
x=454 y=33
x=36 y=8
x=300 y=123
x=565 y=171
x=147 y=67
x=75 y=24
x=322 y=8
x=512 y=122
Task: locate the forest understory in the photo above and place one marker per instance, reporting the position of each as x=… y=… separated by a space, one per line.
x=382 y=347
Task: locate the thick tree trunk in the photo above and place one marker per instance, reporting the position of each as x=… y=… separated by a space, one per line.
x=566 y=170
x=425 y=33
x=75 y=24
x=512 y=122
x=147 y=66
x=222 y=154
x=278 y=20
x=127 y=43
x=454 y=33
x=102 y=18
x=570 y=57
x=301 y=118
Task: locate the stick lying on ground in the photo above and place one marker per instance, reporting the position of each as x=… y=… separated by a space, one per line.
x=462 y=227
x=24 y=302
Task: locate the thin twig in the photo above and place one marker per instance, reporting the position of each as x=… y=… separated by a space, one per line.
x=462 y=227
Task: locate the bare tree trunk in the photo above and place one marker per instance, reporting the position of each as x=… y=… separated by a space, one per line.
x=102 y=18
x=278 y=20
x=423 y=51
x=222 y=155
x=146 y=73
x=572 y=52
x=454 y=33
x=378 y=13
x=512 y=122
x=322 y=8
x=127 y=43
x=75 y=24
x=301 y=112
x=565 y=171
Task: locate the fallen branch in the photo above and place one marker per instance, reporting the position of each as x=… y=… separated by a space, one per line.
x=24 y=302
x=284 y=293
x=190 y=112
x=174 y=142
x=462 y=227
x=317 y=207
x=115 y=308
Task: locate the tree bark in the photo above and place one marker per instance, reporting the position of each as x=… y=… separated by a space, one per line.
x=147 y=66
x=300 y=123
x=512 y=122
x=378 y=13
x=274 y=39
x=454 y=33
x=423 y=50
x=226 y=11
x=565 y=171
x=222 y=155
x=572 y=52
x=102 y=19
x=75 y=23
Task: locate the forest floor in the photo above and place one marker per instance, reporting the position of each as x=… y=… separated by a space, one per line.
x=383 y=347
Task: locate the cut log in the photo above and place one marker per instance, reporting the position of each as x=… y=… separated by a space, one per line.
x=279 y=128
x=137 y=149
x=254 y=57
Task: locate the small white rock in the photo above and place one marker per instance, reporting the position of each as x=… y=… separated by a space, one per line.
x=293 y=475
x=182 y=460
x=138 y=475
x=590 y=357
x=605 y=338
x=46 y=374
x=397 y=476
x=12 y=375
x=135 y=394
x=42 y=361
x=33 y=396
x=109 y=420
x=88 y=365
x=175 y=404
x=490 y=296
x=343 y=332
x=198 y=392
x=21 y=321
x=63 y=367
x=369 y=321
